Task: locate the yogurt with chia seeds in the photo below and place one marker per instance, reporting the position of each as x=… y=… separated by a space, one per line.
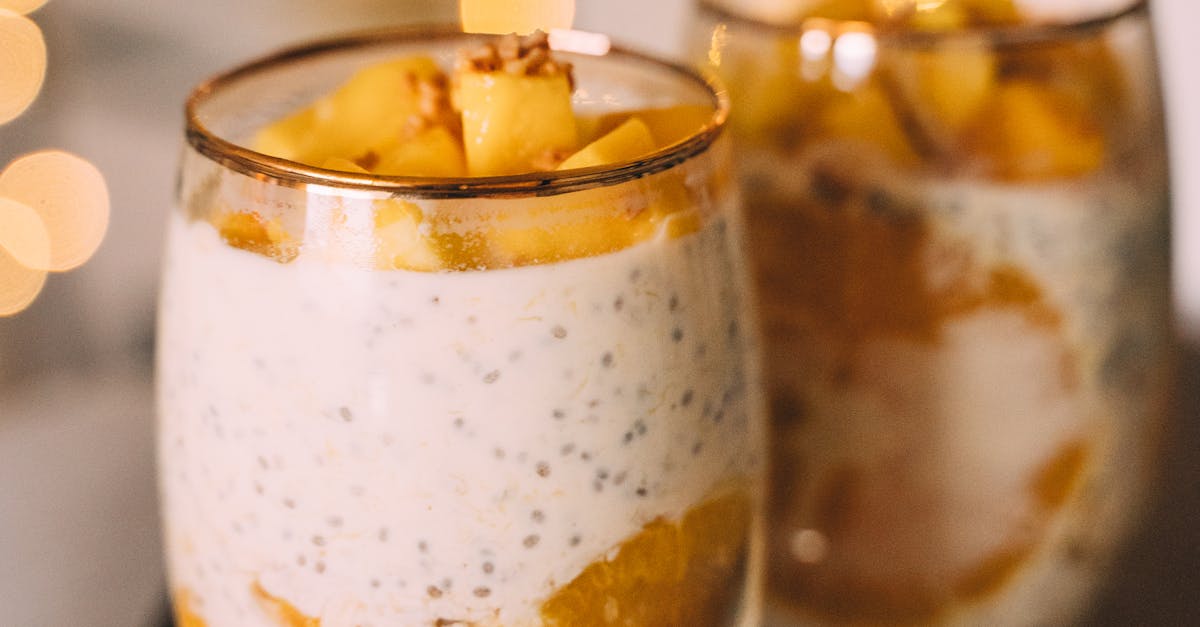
x=397 y=448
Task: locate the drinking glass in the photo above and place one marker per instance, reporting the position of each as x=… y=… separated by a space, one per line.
x=960 y=241
x=553 y=422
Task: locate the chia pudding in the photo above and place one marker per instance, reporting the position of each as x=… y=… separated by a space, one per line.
x=961 y=248
x=347 y=439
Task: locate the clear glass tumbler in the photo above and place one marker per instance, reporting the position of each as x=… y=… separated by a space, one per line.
x=553 y=422
x=959 y=226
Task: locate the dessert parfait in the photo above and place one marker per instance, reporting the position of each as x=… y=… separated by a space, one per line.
x=454 y=331
x=958 y=216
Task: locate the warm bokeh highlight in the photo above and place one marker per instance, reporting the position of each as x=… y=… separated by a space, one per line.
x=22 y=63
x=53 y=205
x=516 y=16
x=21 y=6
x=71 y=197
x=22 y=240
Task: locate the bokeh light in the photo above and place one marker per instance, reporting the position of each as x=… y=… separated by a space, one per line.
x=71 y=197
x=23 y=240
x=23 y=234
x=53 y=205
x=22 y=63
x=516 y=16
x=21 y=6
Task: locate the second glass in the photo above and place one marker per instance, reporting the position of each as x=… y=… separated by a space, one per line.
x=959 y=218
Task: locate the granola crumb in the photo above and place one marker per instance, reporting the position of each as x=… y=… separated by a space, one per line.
x=522 y=56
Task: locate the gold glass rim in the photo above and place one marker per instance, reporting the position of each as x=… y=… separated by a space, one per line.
x=1001 y=35
x=294 y=174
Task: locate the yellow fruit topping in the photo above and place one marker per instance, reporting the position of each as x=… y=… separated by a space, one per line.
x=667 y=125
x=683 y=574
x=594 y=222
x=283 y=612
x=378 y=110
x=866 y=116
x=945 y=88
x=432 y=152
x=516 y=108
x=401 y=241
x=627 y=142
x=251 y=232
x=1031 y=133
x=510 y=112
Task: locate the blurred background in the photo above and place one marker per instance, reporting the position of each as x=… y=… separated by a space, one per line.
x=78 y=520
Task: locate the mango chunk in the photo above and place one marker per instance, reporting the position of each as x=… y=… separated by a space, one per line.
x=374 y=109
x=1030 y=132
x=630 y=140
x=943 y=90
x=402 y=241
x=251 y=232
x=595 y=222
x=515 y=123
x=667 y=125
x=868 y=117
x=433 y=152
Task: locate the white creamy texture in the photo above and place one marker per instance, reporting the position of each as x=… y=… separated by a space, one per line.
x=393 y=448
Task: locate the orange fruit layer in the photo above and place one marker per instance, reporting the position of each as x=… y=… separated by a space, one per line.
x=684 y=574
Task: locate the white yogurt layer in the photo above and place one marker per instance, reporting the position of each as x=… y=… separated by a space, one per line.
x=395 y=448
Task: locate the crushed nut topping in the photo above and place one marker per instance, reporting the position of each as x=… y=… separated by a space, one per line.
x=433 y=105
x=527 y=56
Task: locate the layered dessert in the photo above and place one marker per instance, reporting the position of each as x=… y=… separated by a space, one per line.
x=430 y=406
x=958 y=215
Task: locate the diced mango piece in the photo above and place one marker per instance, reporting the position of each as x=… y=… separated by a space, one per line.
x=370 y=110
x=434 y=151
x=955 y=83
x=773 y=102
x=667 y=125
x=944 y=89
x=515 y=123
x=1086 y=70
x=251 y=232
x=627 y=142
x=1032 y=133
x=595 y=222
x=401 y=240
x=867 y=116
